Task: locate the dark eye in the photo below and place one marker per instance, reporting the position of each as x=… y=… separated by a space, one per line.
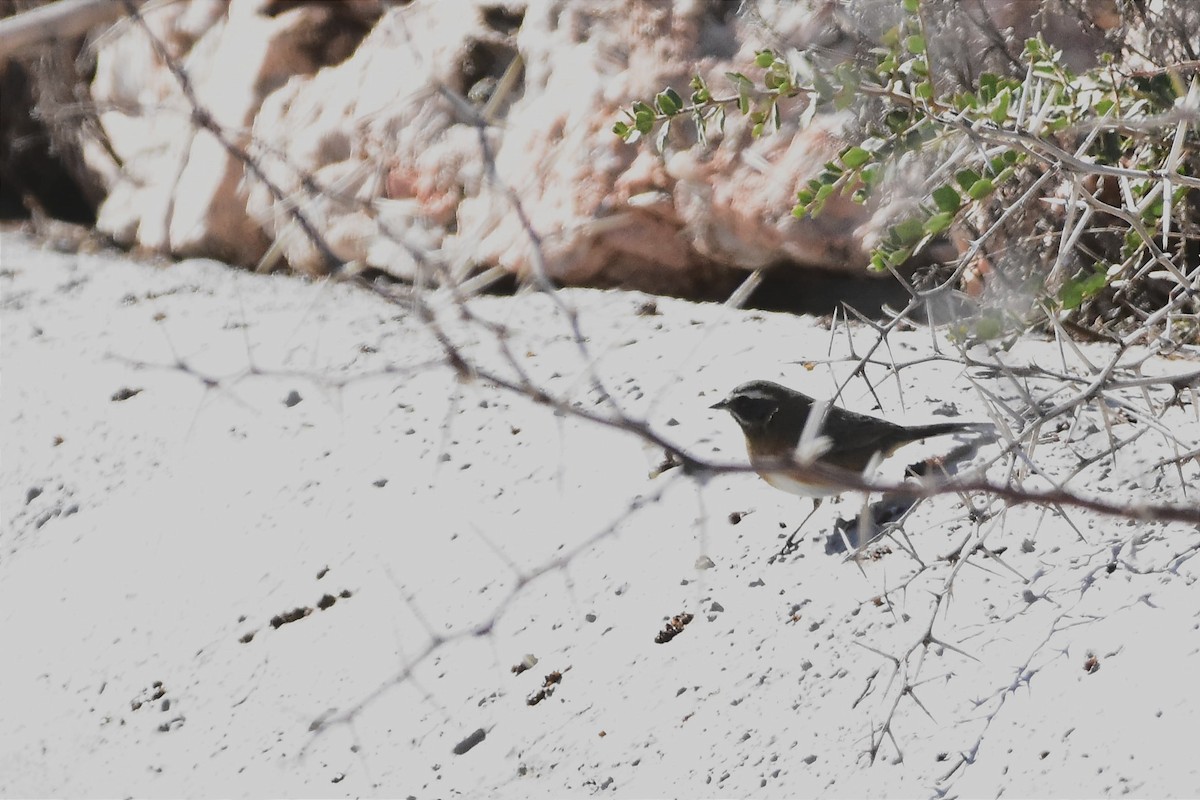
x=753 y=409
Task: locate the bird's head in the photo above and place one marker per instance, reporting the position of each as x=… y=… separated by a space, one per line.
x=754 y=404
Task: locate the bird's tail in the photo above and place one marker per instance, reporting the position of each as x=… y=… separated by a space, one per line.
x=941 y=428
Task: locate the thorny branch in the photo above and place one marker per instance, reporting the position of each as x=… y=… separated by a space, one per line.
x=1035 y=406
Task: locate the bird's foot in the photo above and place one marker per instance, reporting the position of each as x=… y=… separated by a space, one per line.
x=789 y=547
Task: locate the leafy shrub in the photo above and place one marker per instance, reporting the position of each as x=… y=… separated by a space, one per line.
x=1070 y=197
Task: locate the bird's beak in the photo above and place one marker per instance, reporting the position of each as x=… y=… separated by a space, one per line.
x=721 y=404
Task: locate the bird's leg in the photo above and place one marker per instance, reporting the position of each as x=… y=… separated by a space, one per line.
x=791 y=544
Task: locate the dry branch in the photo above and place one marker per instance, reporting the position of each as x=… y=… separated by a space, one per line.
x=64 y=19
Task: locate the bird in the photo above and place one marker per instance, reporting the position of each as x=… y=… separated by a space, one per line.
x=775 y=420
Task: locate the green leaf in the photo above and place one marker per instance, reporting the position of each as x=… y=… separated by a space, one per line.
x=909 y=231
x=824 y=88
x=1161 y=90
x=1000 y=112
x=764 y=58
x=845 y=97
x=947 y=199
x=878 y=262
x=987 y=87
x=660 y=141
x=923 y=90
x=815 y=202
x=939 y=222
x=1153 y=211
x=743 y=86
x=1097 y=281
x=966 y=178
x=1071 y=296
x=897 y=120
x=915 y=43
x=668 y=102
x=981 y=189
x=644 y=122
x=831 y=174
x=1075 y=291
x=622 y=130
x=990 y=327
x=855 y=157
x=912 y=6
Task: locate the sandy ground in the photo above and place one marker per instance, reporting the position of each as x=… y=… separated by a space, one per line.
x=209 y=588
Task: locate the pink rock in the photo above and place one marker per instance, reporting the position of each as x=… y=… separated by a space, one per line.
x=409 y=152
x=178 y=189
x=604 y=212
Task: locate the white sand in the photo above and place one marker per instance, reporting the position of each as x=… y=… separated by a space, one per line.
x=172 y=524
